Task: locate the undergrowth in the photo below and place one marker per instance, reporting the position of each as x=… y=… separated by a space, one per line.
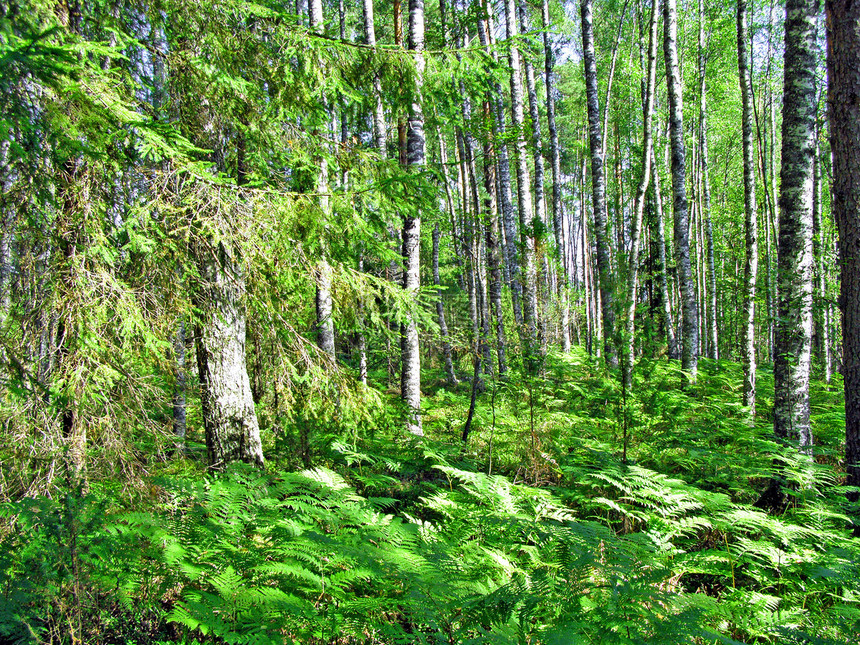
x=537 y=531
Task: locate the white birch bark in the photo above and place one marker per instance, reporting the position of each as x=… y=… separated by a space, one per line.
x=689 y=312
x=410 y=382
x=794 y=260
x=598 y=183
x=750 y=213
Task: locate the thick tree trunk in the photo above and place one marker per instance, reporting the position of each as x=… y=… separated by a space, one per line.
x=794 y=312
x=843 y=65
x=524 y=196
x=410 y=384
x=229 y=418
x=639 y=204
x=689 y=311
x=598 y=183
x=750 y=213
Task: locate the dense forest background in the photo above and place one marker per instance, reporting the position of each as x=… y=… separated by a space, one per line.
x=328 y=322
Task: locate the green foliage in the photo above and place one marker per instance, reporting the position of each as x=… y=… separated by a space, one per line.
x=399 y=542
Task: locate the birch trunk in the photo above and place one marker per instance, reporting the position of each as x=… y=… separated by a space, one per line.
x=689 y=312
x=711 y=317
x=410 y=385
x=540 y=211
x=509 y=229
x=524 y=195
x=639 y=204
x=598 y=184
x=494 y=258
x=660 y=233
x=555 y=156
x=748 y=356
x=794 y=311
x=440 y=311
x=537 y=142
x=379 y=133
x=322 y=272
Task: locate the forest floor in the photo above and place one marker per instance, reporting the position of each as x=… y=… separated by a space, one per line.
x=539 y=530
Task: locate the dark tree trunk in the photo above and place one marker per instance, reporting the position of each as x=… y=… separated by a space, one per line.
x=843 y=65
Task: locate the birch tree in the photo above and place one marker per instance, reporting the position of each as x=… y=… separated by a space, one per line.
x=689 y=310
x=598 y=186
x=639 y=201
x=794 y=255
x=524 y=192
x=750 y=213
x=410 y=381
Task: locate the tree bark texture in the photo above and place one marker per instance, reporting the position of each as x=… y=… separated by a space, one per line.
x=821 y=333
x=689 y=311
x=794 y=255
x=598 y=186
x=711 y=309
x=639 y=203
x=843 y=64
x=750 y=213
x=660 y=232
x=229 y=417
x=555 y=162
x=410 y=382
x=524 y=194
x=440 y=311
x=509 y=227
x=379 y=130
x=494 y=258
